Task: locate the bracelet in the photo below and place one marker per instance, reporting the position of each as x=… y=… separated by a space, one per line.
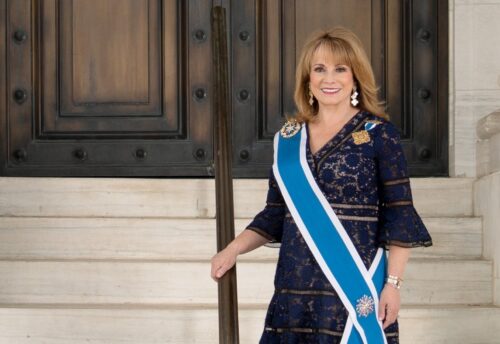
x=394 y=281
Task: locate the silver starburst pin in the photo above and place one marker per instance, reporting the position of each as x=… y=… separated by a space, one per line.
x=365 y=306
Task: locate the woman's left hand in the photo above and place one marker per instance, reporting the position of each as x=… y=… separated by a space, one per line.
x=390 y=301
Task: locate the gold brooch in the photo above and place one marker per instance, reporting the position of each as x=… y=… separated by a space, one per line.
x=290 y=128
x=365 y=305
x=361 y=137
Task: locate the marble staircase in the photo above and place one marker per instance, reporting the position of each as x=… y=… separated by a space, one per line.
x=99 y=260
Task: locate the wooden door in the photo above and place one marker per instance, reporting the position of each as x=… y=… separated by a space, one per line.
x=107 y=87
x=124 y=87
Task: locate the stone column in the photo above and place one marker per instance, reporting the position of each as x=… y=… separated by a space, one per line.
x=487 y=192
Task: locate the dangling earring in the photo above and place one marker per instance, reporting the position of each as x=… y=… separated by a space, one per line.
x=311 y=97
x=354 y=97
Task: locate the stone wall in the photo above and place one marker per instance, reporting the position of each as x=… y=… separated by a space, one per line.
x=474 y=77
x=474 y=125
x=487 y=192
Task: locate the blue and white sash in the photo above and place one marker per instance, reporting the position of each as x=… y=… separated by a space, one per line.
x=329 y=242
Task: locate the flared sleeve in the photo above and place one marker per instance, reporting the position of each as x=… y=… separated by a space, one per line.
x=269 y=222
x=399 y=222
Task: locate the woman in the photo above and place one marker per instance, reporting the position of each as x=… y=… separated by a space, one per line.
x=339 y=194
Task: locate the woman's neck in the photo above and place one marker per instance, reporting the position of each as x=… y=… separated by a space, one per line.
x=333 y=116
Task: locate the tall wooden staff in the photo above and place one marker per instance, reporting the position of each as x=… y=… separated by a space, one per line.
x=228 y=299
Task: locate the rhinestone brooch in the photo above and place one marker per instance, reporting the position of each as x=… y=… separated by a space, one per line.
x=290 y=128
x=365 y=306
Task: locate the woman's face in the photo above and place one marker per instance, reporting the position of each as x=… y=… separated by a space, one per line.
x=331 y=82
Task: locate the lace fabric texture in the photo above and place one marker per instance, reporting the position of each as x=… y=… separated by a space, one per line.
x=368 y=187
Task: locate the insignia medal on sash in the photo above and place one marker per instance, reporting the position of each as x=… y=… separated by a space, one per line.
x=290 y=128
x=362 y=136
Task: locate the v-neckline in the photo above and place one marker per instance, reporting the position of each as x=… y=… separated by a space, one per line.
x=333 y=141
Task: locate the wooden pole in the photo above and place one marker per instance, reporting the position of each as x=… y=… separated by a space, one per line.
x=228 y=298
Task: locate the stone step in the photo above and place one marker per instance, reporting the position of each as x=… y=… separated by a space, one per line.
x=52 y=325
x=128 y=197
x=140 y=238
x=427 y=281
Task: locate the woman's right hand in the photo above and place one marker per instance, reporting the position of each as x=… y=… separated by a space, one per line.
x=223 y=261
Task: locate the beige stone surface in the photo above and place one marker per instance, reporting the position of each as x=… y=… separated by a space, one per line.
x=488 y=153
x=494 y=153
x=183 y=198
x=456 y=324
x=180 y=239
x=427 y=281
x=487 y=205
x=105 y=197
x=489 y=125
x=488 y=148
x=476 y=45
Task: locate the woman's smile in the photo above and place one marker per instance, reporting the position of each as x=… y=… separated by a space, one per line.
x=330 y=91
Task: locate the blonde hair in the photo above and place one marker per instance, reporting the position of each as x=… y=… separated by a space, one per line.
x=348 y=50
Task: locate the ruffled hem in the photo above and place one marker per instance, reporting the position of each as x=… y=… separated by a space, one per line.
x=402 y=226
x=386 y=244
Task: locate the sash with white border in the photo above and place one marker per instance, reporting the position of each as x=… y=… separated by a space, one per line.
x=357 y=287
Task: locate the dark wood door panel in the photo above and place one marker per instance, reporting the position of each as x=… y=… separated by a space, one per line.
x=128 y=96
x=102 y=76
x=110 y=61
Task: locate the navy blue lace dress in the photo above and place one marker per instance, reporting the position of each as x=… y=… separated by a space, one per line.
x=368 y=187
